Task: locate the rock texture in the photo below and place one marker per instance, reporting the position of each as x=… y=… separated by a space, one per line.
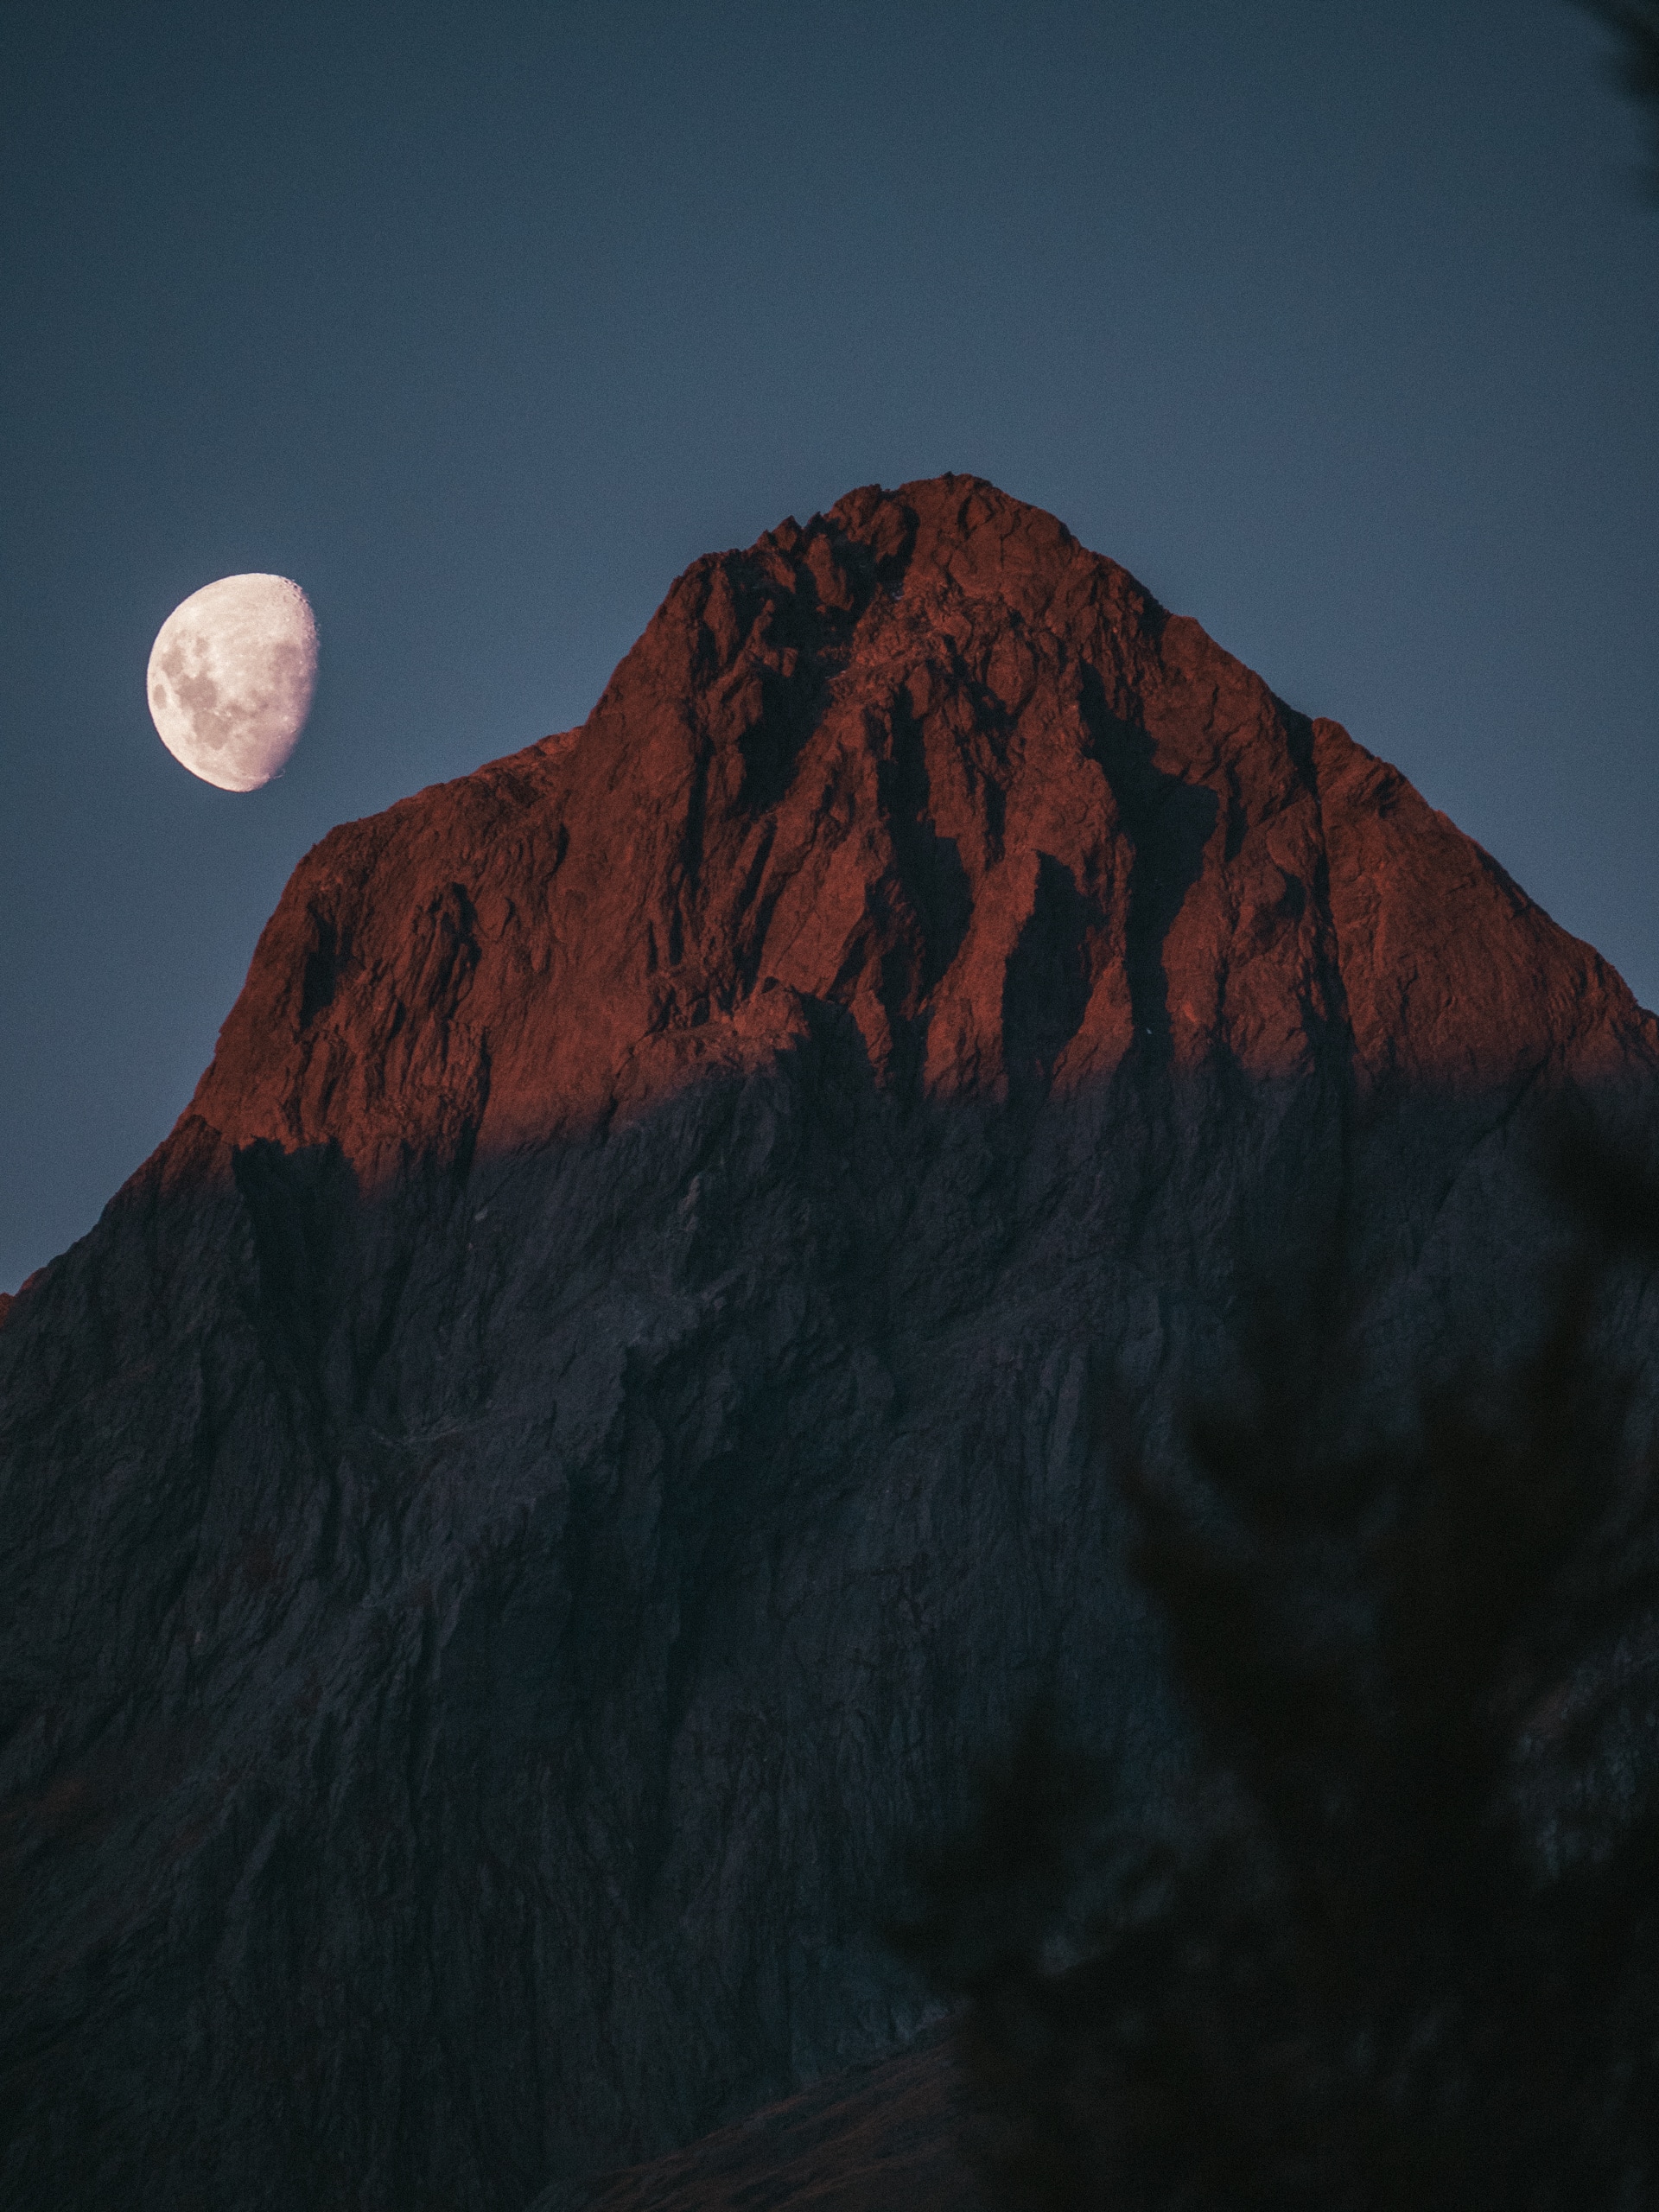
x=890 y=2136
x=534 y=1490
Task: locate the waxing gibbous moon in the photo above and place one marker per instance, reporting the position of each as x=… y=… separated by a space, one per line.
x=231 y=676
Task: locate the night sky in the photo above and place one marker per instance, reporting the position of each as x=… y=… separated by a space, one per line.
x=1337 y=324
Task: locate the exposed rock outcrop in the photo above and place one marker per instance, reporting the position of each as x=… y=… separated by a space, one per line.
x=540 y=1482
x=893 y=2135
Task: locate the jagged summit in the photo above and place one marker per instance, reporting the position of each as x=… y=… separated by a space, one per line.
x=927 y=760
x=604 y=1405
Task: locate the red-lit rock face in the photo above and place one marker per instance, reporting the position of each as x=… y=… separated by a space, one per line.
x=611 y=1397
x=929 y=760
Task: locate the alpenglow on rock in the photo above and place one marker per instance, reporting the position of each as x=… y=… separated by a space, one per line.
x=600 y=1407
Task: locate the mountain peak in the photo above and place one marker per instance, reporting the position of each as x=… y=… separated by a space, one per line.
x=926 y=763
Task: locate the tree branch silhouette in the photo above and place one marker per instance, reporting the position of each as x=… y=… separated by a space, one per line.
x=1407 y=1954
x=1635 y=26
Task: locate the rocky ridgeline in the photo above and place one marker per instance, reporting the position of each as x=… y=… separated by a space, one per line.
x=606 y=1399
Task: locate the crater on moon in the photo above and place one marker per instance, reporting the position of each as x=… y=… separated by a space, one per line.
x=231 y=679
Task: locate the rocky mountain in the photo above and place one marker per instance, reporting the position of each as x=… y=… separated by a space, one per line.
x=607 y=1398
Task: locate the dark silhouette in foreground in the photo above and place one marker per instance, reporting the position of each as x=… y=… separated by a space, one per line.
x=1414 y=1960
x=1634 y=26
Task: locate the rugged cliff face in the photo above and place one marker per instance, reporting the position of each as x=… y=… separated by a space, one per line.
x=539 y=1482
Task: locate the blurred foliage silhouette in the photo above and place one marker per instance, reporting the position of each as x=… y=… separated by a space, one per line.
x=1634 y=26
x=1400 y=1948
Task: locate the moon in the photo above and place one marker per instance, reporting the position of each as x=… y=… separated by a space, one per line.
x=231 y=675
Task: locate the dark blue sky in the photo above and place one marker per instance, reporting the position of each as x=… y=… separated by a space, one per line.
x=1337 y=323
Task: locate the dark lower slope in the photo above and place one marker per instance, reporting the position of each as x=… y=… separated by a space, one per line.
x=462 y=1715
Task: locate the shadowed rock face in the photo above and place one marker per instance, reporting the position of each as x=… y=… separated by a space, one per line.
x=539 y=1484
x=890 y=2136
